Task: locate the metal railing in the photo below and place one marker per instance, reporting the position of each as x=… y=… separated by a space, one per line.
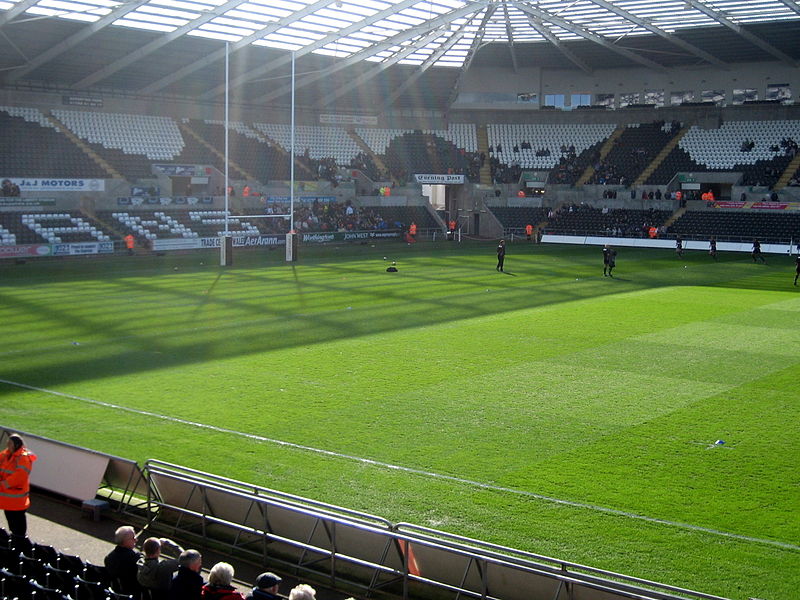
x=351 y=550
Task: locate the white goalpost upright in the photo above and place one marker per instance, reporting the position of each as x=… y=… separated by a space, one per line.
x=291 y=247
x=226 y=240
x=226 y=245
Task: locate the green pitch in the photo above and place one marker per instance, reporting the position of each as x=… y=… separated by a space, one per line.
x=549 y=409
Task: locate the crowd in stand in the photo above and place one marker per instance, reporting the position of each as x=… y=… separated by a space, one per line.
x=9 y=189
x=162 y=570
x=327 y=217
x=612 y=222
x=148 y=575
x=568 y=170
x=335 y=216
x=366 y=164
x=503 y=173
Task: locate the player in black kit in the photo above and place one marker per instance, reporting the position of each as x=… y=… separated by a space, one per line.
x=609 y=260
x=501 y=255
x=679 y=246
x=712 y=248
x=796 y=268
x=756 y=254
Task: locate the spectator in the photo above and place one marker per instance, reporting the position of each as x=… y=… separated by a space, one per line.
x=15 y=471
x=266 y=587
x=219 y=584
x=155 y=573
x=187 y=584
x=122 y=561
x=8 y=190
x=303 y=592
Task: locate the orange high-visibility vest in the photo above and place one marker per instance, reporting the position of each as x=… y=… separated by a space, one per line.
x=413 y=229
x=15 y=473
x=129 y=241
x=529 y=229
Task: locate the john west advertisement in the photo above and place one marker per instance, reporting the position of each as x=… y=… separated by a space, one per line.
x=348 y=236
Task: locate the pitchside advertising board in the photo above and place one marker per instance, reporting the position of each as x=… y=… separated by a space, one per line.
x=79 y=249
x=348 y=236
x=239 y=241
x=253 y=241
x=30 y=184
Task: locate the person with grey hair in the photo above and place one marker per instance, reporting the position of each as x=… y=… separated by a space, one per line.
x=122 y=562
x=219 y=585
x=303 y=592
x=187 y=584
x=155 y=573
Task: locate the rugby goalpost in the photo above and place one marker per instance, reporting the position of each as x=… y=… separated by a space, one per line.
x=226 y=241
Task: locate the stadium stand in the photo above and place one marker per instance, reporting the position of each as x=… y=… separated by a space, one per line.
x=366 y=164
x=50 y=228
x=419 y=152
x=756 y=148
x=152 y=225
x=517 y=217
x=157 y=138
x=565 y=150
x=32 y=570
x=588 y=220
x=408 y=151
x=316 y=141
x=247 y=148
x=403 y=216
x=378 y=140
x=197 y=152
x=734 y=226
x=129 y=143
x=633 y=151
x=31 y=146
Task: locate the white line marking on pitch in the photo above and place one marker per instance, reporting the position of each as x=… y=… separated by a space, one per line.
x=430 y=474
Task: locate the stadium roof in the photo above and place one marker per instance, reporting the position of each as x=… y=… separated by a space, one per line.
x=164 y=46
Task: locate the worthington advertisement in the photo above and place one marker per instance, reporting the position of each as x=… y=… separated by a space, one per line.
x=348 y=236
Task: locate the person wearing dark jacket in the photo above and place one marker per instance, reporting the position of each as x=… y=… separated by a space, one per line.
x=122 y=561
x=155 y=572
x=501 y=255
x=266 y=588
x=187 y=583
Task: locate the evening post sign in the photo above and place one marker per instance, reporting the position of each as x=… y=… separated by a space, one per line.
x=438 y=179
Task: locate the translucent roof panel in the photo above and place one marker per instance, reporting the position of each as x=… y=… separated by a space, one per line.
x=377 y=30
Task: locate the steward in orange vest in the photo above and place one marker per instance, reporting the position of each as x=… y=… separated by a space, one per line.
x=130 y=242
x=413 y=229
x=529 y=231
x=15 y=472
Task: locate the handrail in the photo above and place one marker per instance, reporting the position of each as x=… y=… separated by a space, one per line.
x=260 y=491
x=523 y=557
x=360 y=550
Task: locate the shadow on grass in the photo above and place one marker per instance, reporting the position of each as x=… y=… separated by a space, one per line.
x=337 y=297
